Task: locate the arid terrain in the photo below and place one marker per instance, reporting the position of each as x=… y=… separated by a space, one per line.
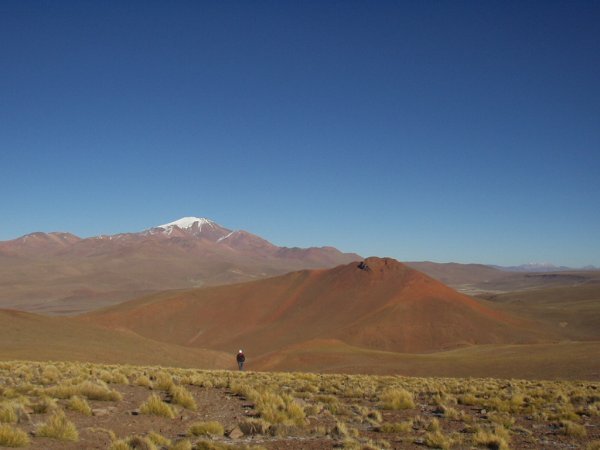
x=73 y=406
x=369 y=354
x=375 y=317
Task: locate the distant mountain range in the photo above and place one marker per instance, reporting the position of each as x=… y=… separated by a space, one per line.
x=541 y=267
x=60 y=272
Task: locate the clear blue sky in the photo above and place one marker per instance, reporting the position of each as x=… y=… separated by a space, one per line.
x=446 y=131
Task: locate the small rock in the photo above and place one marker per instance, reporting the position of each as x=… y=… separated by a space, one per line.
x=135 y=412
x=439 y=411
x=236 y=433
x=483 y=411
x=100 y=412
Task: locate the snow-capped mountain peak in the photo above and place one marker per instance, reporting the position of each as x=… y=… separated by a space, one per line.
x=188 y=222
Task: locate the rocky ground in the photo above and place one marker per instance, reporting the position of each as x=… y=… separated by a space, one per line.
x=294 y=411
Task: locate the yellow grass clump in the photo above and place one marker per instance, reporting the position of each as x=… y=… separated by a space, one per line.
x=154 y=406
x=182 y=445
x=436 y=439
x=251 y=426
x=397 y=398
x=397 y=427
x=120 y=444
x=95 y=391
x=80 y=404
x=13 y=437
x=211 y=428
x=159 y=439
x=497 y=439
x=164 y=381
x=143 y=380
x=59 y=427
x=88 y=389
x=573 y=429
x=183 y=397
x=8 y=414
x=279 y=409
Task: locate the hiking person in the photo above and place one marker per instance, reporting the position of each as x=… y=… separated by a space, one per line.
x=240 y=359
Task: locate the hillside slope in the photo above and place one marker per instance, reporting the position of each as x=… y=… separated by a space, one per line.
x=380 y=304
x=31 y=336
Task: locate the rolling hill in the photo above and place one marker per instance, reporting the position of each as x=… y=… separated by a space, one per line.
x=378 y=317
x=31 y=336
x=379 y=304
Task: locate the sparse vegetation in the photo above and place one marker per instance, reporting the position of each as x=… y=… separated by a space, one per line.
x=59 y=427
x=12 y=437
x=80 y=404
x=397 y=398
x=352 y=411
x=182 y=396
x=156 y=407
x=212 y=428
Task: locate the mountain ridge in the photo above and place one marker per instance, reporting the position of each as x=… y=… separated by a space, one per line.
x=60 y=273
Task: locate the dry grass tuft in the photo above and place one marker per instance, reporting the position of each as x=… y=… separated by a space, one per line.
x=120 y=444
x=80 y=404
x=164 y=381
x=143 y=380
x=436 y=439
x=397 y=398
x=573 y=429
x=8 y=414
x=182 y=445
x=212 y=428
x=13 y=437
x=59 y=427
x=159 y=439
x=279 y=409
x=44 y=405
x=251 y=427
x=183 y=397
x=93 y=391
x=397 y=427
x=154 y=406
x=494 y=440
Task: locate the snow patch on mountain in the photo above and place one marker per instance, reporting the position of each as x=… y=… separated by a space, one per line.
x=225 y=237
x=188 y=222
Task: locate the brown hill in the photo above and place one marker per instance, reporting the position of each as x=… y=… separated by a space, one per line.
x=30 y=336
x=379 y=304
x=59 y=273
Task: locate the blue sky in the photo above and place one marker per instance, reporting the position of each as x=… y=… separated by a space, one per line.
x=445 y=131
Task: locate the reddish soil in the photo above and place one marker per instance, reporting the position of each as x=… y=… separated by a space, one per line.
x=384 y=305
